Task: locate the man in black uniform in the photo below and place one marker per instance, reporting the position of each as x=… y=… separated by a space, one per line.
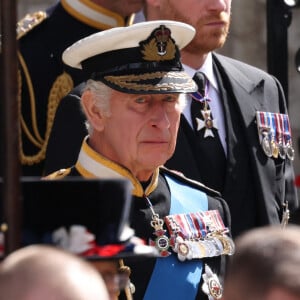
x=133 y=100
x=44 y=79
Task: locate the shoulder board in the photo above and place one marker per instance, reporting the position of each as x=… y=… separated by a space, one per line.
x=180 y=176
x=58 y=174
x=29 y=22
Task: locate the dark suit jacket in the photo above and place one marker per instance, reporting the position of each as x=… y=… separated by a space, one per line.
x=254 y=198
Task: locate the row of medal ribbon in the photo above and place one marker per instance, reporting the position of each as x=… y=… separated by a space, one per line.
x=275 y=134
x=198 y=235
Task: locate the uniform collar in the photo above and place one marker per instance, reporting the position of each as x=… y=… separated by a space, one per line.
x=92 y=14
x=91 y=164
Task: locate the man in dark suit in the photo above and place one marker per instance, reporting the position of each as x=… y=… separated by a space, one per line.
x=236 y=160
x=44 y=79
x=133 y=98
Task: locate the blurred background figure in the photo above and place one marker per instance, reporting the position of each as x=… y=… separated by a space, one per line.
x=43 y=78
x=42 y=272
x=266 y=265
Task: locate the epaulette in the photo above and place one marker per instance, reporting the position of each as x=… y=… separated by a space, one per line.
x=181 y=177
x=29 y=22
x=58 y=174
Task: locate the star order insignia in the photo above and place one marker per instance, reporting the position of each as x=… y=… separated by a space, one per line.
x=208 y=123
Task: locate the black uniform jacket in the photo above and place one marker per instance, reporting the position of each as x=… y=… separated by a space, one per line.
x=141 y=217
x=44 y=78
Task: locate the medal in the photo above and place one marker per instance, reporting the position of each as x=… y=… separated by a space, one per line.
x=211 y=285
x=228 y=244
x=208 y=123
x=198 y=235
x=264 y=131
x=290 y=152
x=161 y=242
x=275 y=134
x=274 y=148
x=282 y=149
x=280 y=144
x=266 y=144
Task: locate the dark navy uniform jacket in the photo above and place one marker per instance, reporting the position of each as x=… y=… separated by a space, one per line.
x=141 y=217
x=43 y=36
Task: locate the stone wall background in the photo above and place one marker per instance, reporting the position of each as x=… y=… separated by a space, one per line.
x=247 y=42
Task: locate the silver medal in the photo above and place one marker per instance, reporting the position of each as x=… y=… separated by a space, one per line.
x=290 y=152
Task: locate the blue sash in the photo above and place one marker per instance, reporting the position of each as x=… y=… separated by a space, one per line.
x=172 y=279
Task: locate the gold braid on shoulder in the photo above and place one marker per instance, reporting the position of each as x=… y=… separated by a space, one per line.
x=60 y=88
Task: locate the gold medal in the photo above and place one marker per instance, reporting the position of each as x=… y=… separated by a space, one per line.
x=274 y=149
x=227 y=243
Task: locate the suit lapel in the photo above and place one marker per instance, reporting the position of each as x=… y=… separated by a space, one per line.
x=245 y=88
x=252 y=93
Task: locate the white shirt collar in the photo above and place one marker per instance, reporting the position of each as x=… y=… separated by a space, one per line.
x=207 y=69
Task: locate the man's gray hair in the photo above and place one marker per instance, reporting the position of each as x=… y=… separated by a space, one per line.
x=101 y=93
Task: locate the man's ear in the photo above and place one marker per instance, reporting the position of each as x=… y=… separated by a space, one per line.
x=93 y=113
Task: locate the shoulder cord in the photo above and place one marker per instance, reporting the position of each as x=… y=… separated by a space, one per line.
x=62 y=85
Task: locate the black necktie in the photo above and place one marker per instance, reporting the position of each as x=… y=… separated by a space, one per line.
x=208 y=148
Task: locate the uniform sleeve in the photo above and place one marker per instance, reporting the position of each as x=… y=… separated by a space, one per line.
x=67 y=134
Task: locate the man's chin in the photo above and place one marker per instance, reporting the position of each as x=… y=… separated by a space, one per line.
x=155 y=161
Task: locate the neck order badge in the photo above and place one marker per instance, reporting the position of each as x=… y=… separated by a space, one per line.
x=200 y=110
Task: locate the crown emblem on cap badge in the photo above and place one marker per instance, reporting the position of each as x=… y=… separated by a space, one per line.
x=159 y=46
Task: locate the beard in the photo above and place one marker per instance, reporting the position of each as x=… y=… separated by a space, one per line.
x=207 y=38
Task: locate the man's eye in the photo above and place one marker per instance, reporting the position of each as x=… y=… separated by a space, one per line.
x=170 y=99
x=140 y=100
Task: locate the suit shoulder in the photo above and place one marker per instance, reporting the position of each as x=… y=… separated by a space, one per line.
x=241 y=65
x=196 y=184
x=58 y=174
x=29 y=22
